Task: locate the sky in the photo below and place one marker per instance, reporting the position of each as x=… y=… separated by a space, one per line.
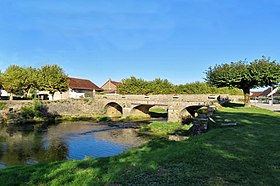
x=170 y=39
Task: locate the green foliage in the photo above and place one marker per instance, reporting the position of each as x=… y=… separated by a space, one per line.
x=205 y=88
x=26 y=81
x=34 y=110
x=104 y=118
x=243 y=75
x=2 y=105
x=52 y=78
x=12 y=79
x=134 y=85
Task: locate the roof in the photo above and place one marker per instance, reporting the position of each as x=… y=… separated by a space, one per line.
x=255 y=94
x=266 y=92
x=83 y=84
x=263 y=94
x=116 y=83
x=113 y=82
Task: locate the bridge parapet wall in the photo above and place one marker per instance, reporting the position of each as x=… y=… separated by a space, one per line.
x=160 y=98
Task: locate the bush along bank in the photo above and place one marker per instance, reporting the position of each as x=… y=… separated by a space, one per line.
x=34 y=112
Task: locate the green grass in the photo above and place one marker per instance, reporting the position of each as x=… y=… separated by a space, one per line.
x=163 y=129
x=247 y=154
x=158 y=112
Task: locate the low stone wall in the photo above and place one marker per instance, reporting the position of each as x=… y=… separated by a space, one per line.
x=73 y=107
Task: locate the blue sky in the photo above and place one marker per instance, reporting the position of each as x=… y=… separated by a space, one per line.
x=171 y=39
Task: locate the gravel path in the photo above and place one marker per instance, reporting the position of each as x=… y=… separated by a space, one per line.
x=274 y=107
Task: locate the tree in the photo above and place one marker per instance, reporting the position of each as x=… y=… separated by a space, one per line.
x=30 y=80
x=53 y=79
x=12 y=80
x=243 y=75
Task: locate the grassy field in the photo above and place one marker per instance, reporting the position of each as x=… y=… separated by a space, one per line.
x=247 y=154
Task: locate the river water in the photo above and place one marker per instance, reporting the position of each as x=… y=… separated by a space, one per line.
x=68 y=140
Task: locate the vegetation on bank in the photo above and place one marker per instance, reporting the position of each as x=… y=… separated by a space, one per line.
x=247 y=154
x=135 y=85
x=34 y=112
x=164 y=129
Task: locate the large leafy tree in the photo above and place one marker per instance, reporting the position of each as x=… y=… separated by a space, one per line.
x=12 y=80
x=29 y=79
x=243 y=75
x=53 y=79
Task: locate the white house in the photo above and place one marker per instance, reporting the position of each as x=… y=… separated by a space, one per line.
x=77 y=88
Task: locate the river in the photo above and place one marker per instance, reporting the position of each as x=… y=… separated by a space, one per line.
x=64 y=141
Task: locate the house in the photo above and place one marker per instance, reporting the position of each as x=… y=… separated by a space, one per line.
x=4 y=94
x=111 y=86
x=78 y=88
x=264 y=95
x=255 y=95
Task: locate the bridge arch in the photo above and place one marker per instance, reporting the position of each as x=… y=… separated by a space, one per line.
x=188 y=113
x=113 y=109
x=141 y=110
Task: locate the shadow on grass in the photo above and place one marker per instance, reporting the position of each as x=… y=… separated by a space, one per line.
x=233 y=105
x=245 y=155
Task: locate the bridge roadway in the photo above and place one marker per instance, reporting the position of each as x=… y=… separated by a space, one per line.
x=178 y=106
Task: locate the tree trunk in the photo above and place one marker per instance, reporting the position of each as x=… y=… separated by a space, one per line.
x=11 y=96
x=246 y=92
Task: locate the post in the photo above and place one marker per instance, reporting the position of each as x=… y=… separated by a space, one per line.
x=272 y=96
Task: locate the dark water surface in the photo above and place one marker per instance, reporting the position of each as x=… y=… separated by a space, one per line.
x=69 y=140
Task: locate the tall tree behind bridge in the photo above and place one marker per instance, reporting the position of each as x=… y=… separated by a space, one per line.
x=135 y=85
x=12 y=80
x=53 y=79
x=243 y=75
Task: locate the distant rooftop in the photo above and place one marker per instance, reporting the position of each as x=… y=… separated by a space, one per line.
x=83 y=84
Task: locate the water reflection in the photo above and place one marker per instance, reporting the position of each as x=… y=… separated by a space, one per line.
x=76 y=140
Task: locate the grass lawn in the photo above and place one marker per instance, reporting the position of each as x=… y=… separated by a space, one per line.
x=247 y=154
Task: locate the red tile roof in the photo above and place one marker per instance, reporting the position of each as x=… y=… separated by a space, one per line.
x=262 y=94
x=83 y=84
x=116 y=83
x=255 y=94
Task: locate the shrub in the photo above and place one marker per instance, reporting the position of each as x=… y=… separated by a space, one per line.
x=2 y=105
x=105 y=118
x=36 y=109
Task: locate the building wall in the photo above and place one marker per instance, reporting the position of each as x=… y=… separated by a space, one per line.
x=108 y=86
x=3 y=93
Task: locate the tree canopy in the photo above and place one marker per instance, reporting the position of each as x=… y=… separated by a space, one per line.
x=24 y=80
x=52 y=78
x=244 y=75
x=12 y=80
x=135 y=85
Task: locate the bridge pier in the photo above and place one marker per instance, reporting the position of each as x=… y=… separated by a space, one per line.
x=126 y=112
x=173 y=115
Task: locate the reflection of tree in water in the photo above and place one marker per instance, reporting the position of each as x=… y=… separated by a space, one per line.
x=18 y=146
x=58 y=150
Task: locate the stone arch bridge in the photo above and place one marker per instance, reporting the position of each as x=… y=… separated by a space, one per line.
x=139 y=105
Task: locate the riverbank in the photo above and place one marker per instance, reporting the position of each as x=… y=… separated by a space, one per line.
x=246 y=154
